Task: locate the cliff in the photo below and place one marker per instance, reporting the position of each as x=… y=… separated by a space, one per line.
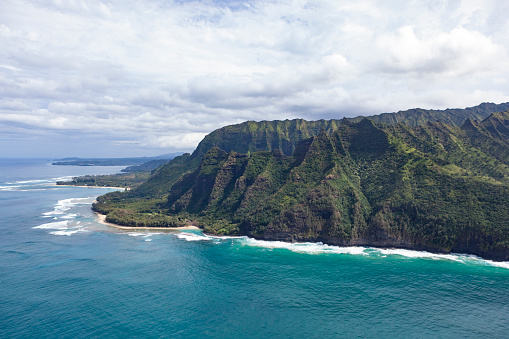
x=251 y=136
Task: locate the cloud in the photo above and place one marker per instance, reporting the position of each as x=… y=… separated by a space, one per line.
x=156 y=76
x=177 y=142
x=455 y=53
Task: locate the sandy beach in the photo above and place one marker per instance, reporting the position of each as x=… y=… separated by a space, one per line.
x=102 y=219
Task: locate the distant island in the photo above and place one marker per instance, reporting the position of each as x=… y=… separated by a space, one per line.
x=135 y=164
x=419 y=179
x=138 y=170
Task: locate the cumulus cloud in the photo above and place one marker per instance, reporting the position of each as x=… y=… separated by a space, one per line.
x=455 y=53
x=156 y=76
x=177 y=142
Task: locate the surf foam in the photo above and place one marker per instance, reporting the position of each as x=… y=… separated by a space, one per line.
x=68 y=232
x=419 y=254
x=62 y=206
x=62 y=210
x=306 y=247
x=57 y=225
x=320 y=248
x=193 y=237
x=10 y=188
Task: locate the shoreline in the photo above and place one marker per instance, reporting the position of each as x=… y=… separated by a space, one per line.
x=101 y=218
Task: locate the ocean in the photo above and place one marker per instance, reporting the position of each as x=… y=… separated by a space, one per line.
x=64 y=275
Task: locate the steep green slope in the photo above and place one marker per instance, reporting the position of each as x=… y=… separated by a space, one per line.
x=247 y=137
x=454 y=116
x=252 y=136
x=284 y=135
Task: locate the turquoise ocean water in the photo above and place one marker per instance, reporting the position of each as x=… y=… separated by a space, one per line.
x=64 y=275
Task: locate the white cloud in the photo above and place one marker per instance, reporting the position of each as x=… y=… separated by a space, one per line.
x=161 y=74
x=455 y=53
x=177 y=142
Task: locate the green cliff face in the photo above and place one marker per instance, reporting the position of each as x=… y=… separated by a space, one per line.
x=247 y=137
x=454 y=116
x=284 y=135
x=434 y=187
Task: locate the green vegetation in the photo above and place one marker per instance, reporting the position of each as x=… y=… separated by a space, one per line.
x=252 y=136
x=147 y=162
x=435 y=186
x=100 y=161
x=135 y=175
x=131 y=180
x=454 y=117
x=147 y=166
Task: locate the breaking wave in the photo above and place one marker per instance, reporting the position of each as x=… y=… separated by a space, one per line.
x=67 y=223
x=67 y=220
x=320 y=248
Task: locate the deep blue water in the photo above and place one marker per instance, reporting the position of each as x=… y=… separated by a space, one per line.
x=64 y=275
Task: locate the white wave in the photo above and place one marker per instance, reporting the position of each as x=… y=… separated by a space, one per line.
x=9 y=188
x=419 y=254
x=76 y=201
x=68 y=232
x=319 y=248
x=136 y=234
x=306 y=247
x=503 y=264
x=57 y=211
x=32 y=181
x=69 y=216
x=193 y=236
x=475 y=260
x=20 y=190
x=226 y=237
x=62 y=206
x=62 y=228
x=462 y=258
x=25 y=188
x=57 y=225
x=140 y=234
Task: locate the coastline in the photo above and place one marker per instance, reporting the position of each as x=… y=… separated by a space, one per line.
x=102 y=219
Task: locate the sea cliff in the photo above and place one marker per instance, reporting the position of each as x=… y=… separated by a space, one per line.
x=434 y=187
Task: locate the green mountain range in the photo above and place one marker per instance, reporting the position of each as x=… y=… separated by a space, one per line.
x=427 y=185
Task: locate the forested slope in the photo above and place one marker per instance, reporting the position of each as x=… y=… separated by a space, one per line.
x=284 y=135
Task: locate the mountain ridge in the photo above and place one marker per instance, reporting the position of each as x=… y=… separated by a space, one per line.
x=251 y=136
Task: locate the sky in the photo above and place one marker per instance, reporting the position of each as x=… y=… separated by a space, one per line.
x=147 y=77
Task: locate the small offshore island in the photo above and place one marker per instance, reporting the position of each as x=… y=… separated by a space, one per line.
x=420 y=179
